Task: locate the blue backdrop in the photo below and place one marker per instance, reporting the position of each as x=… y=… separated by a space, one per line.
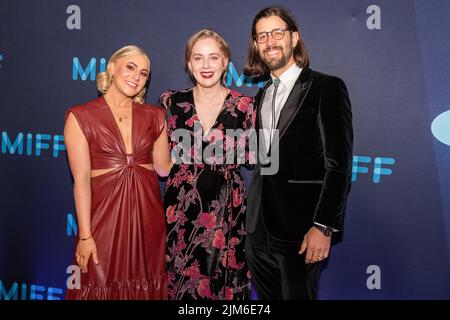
x=393 y=55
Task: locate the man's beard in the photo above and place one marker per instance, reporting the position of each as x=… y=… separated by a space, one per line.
x=277 y=63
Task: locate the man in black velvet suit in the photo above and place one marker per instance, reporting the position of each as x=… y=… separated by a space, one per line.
x=292 y=214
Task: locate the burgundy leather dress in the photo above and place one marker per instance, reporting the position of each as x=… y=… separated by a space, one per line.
x=127 y=218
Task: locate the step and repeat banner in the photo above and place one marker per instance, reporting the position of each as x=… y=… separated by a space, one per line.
x=394 y=56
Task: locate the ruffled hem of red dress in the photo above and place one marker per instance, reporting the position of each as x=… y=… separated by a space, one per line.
x=148 y=289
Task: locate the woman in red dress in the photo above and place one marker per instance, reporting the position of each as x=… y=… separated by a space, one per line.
x=116 y=146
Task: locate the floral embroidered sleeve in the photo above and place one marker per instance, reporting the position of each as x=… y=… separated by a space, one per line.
x=248 y=140
x=165 y=100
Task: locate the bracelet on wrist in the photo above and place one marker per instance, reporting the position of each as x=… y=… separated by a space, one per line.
x=84 y=239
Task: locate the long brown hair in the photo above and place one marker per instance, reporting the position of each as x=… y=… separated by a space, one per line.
x=255 y=66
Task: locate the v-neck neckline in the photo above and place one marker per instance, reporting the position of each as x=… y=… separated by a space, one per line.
x=121 y=139
x=205 y=133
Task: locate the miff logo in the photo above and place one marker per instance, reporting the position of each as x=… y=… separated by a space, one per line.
x=99 y=65
x=440 y=127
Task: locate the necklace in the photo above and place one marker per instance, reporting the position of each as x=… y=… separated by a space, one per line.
x=122 y=124
x=122 y=116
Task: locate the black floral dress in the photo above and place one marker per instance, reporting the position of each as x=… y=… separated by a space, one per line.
x=205 y=199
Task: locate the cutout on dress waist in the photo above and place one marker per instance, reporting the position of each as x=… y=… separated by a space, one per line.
x=101 y=172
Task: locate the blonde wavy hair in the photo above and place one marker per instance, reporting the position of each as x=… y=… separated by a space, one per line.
x=105 y=79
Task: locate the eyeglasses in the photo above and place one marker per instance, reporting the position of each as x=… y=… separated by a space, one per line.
x=277 y=34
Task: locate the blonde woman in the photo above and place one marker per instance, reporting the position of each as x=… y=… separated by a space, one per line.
x=116 y=146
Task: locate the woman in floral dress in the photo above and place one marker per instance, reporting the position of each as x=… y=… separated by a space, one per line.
x=205 y=193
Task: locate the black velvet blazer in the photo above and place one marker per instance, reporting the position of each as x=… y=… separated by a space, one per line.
x=315 y=160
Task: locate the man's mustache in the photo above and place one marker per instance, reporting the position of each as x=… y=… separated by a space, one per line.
x=273 y=47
